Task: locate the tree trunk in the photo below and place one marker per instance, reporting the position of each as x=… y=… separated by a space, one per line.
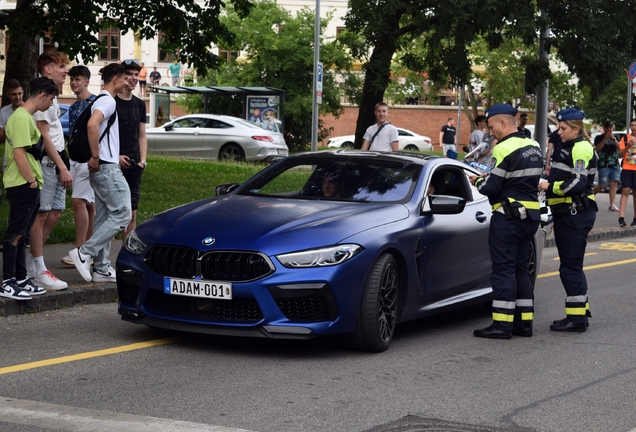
x=21 y=58
x=376 y=79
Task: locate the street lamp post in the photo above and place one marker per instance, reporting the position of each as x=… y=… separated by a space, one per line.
x=314 y=111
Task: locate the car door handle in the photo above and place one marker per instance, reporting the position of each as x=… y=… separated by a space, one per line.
x=481 y=217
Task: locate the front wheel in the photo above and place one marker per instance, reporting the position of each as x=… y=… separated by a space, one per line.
x=379 y=307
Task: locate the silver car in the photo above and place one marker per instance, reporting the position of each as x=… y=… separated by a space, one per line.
x=408 y=140
x=210 y=136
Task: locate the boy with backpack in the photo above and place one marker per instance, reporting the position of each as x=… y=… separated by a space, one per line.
x=112 y=195
x=83 y=198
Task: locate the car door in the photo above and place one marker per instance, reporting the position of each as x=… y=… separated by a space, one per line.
x=456 y=257
x=217 y=133
x=183 y=137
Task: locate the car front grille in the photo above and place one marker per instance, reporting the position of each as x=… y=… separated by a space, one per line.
x=229 y=266
x=239 y=310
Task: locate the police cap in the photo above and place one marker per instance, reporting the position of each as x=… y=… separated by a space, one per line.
x=501 y=109
x=570 y=114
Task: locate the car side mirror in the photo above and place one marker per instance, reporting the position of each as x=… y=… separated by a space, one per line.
x=443 y=204
x=226 y=188
x=168 y=127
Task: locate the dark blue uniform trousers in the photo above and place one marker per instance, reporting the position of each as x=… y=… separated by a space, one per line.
x=570 y=236
x=510 y=243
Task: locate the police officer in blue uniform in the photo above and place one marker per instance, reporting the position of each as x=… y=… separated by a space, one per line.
x=511 y=188
x=569 y=191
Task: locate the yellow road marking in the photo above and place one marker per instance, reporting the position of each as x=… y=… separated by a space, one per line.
x=592 y=267
x=86 y=355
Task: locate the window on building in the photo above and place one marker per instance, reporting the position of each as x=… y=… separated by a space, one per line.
x=339 y=30
x=228 y=56
x=165 y=55
x=109 y=40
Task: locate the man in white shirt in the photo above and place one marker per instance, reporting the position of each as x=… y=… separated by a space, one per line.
x=382 y=136
x=55 y=169
x=112 y=195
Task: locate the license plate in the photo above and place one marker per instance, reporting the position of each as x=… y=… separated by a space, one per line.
x=198 y=288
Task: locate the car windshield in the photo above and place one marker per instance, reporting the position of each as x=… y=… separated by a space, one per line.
x=344 y=179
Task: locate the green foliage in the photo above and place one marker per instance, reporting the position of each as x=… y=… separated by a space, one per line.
x=609 y=105
x=279 y=53
x=191 y=26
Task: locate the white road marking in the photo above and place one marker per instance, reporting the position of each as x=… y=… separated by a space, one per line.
x=67 y=418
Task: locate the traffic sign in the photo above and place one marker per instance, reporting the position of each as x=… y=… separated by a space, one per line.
x=319 y=83
x=631 y=71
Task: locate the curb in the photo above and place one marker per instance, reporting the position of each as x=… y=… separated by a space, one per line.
x=599 y=235
x=54 y=300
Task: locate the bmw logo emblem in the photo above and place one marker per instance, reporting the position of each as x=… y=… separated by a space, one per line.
x=208 y=241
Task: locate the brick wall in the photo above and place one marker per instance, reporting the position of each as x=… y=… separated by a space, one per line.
x=422 y=119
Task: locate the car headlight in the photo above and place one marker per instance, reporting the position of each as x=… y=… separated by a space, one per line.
x=323 y=257
x=133 y=244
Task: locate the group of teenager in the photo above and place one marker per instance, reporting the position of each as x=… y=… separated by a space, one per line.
x=38 y=171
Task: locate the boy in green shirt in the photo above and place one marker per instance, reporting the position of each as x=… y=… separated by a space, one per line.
x=22 y=181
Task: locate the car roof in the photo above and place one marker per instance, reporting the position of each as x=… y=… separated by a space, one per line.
x=413 y=157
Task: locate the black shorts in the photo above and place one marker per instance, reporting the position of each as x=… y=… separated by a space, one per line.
x=628 y=179
x=133 y=178
x=142 y=83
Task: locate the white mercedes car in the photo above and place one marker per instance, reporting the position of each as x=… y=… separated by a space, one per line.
x=409 y=140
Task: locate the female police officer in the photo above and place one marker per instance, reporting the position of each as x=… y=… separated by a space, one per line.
x=570 y=197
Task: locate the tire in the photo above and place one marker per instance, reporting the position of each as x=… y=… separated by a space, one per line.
x=379 y=307
x=346 y=145
x=231 y=152
x=412 y=147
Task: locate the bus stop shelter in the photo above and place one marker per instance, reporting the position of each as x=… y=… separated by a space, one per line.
x=254 y=99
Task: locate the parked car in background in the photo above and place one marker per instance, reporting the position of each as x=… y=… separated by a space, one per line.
x=210 y=136
x=409 y=140
x=64 y=119
x=320 y=243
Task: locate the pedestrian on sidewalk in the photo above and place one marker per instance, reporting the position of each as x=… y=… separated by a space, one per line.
x=609 y=171
x=628 y=175
x=112 y=195
x=447 y=136
x=55 y=169
x=22 y=181
x=381 y=136
x=570 y=197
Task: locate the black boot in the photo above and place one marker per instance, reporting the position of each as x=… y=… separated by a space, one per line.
x=491 y=332
x=522 y=330
x=568 y=326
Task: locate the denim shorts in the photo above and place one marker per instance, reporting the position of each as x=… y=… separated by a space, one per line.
x=53 y=195
x=81 y=183
x=606 y=175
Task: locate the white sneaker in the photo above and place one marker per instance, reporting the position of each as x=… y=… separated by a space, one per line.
x=82 y=264
x=29 y=287
x=48 y=280
x=110 y=276
x=67 y=260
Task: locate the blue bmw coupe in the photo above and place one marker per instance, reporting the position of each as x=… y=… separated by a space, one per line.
x=343 y=242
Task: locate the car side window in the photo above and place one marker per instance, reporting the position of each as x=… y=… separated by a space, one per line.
x=450 y=181
x=403 y=133
x=191 y=122
x=217 y=124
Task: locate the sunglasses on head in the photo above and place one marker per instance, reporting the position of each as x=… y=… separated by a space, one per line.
x=130 y=61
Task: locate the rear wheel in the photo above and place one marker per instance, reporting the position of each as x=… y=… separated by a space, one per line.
x=346 y=145
x=411 y=147
x=379 y=306
x=231 y=152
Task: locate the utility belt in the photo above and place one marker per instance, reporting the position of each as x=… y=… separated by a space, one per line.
x=514 y=212
x=572 y=205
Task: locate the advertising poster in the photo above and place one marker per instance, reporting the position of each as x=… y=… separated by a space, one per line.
x=263 y=112
x=162 y=109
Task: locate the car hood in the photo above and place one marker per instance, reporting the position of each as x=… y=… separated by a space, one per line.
x=271 y=225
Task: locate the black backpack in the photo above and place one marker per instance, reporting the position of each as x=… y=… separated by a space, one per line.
x=79 y=149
